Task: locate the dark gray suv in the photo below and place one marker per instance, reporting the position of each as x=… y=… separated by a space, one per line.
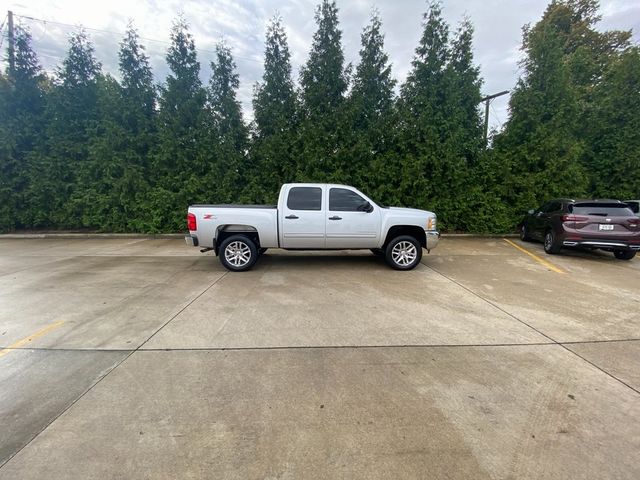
x=594 y=224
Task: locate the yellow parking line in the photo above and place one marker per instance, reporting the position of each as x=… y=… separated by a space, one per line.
x=26 y=340
x=538 y=259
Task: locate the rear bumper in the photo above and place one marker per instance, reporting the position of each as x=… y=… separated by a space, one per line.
x=433 y=237
x=191 y=240
x=604 y=244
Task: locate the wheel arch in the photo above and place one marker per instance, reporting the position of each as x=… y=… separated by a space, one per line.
x=226 y=231
x=411 y=230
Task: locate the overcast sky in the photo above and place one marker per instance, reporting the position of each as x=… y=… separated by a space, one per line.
x=242 y=24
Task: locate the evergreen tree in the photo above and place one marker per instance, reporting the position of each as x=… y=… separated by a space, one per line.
x=22 y=102
x=465 y=91
x=60 y=192
x=371 y=146
x=614 y=130
x=137 y=84
x=274 y=105
x=433 y=166
x=465 y=139
x=225 y=168
x=545 y=147
x=122 y=142
x=139 y=120
x=180 y=130
x=324 y=82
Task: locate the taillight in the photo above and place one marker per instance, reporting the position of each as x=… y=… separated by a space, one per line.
x=191 y=222
x=574 y=218
x=634 y=223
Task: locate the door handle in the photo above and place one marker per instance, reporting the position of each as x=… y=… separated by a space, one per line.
x=335 y=217
x=291 y=217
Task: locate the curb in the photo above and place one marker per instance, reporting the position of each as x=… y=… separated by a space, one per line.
x=103 y=236
x=158 y=236
x=479 y=235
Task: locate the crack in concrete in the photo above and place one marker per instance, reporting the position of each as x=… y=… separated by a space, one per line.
x=131 y=352
x=563 y=345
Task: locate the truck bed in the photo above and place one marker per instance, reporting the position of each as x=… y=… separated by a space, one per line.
x=212 y=219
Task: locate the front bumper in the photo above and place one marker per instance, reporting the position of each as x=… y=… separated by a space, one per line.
x=433 y=237
x=191 y=240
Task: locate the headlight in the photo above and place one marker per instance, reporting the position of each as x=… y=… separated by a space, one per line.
x=431 y=223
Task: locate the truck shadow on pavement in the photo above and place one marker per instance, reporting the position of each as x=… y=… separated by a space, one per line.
x=322 y=260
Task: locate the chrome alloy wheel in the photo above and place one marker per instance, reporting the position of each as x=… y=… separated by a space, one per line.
x=404 y=253
x=548 y=241
x=237 y=254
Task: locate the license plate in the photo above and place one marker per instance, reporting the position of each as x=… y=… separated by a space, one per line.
x=604 y=226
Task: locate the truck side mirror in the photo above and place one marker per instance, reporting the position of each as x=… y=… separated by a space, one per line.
x=366 y=207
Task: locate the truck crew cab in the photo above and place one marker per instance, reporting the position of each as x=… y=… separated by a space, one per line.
x=312 y=216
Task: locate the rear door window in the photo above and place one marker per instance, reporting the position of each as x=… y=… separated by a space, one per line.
x=634 y=206
x=601 y=210
x=305 y=198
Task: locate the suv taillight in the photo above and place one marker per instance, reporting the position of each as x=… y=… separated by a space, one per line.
x=574 y=218
x=191 y=222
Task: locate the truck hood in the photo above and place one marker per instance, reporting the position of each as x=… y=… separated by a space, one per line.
x=411 y=211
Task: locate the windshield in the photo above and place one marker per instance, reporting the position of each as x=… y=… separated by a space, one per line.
x=611 y=210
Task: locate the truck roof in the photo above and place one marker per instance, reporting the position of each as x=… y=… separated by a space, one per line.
x=317 y=185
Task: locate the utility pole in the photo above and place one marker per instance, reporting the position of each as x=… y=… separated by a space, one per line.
x=12 y=43
x=487 y=101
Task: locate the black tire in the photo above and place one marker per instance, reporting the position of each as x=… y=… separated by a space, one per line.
x=624 y=254
x=240 y=246
x=524 y=233
x=378 y=252
x=551 y=245
x=399 y=259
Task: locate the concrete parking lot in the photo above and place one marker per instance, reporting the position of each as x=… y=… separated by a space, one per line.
x=140 y=358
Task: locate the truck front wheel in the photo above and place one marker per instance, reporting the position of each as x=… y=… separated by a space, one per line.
x=403 y=252
x=238 y=253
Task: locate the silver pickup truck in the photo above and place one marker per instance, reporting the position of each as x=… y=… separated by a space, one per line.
x=312 y=216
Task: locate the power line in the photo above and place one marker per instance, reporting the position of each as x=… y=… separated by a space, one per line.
x=122 y=34
x=495 y=114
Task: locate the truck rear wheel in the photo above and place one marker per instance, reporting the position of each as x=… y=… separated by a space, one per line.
x=238 y=253
x=403 y=253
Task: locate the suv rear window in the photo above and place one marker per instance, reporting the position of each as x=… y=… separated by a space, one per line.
x=611 y=210
x=305 y=198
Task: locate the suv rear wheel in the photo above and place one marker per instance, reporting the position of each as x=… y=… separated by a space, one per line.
x=403 y=252
x=238 y=253
x=624 y=254
x=551 y=245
